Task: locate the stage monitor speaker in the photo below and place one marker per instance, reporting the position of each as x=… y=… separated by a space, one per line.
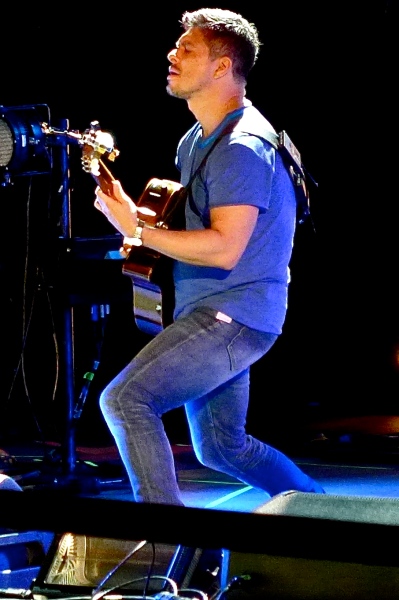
x=349 y=565
x=359 y=509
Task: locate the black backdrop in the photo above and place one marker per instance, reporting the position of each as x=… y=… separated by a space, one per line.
x=326 y=74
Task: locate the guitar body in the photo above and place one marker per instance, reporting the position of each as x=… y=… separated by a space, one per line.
x=160 y=205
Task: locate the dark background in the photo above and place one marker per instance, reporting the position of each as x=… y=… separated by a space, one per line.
x=327 y=75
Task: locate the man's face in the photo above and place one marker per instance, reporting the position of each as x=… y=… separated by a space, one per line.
x=191 y=70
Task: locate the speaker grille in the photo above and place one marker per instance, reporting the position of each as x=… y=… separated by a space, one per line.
x=6 y=144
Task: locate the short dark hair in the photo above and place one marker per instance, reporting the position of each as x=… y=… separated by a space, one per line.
x=227 y=33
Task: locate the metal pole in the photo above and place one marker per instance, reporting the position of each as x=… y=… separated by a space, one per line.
x=69 y=449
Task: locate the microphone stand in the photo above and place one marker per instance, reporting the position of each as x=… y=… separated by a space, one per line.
x=69 y=447
x=73 y=404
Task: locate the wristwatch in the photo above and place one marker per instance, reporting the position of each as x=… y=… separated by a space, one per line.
x=136 y=239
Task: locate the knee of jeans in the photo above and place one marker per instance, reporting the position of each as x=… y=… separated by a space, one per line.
x=126 y=402
x=211 y=455
x=108 y=399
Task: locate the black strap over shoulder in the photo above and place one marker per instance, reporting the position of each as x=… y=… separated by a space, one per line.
x=228 y=129
x=291 y=157
x=293 y=161
x=186 y=190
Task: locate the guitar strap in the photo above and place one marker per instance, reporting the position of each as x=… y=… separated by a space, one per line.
x=228 y=129
x=292 y=160
x=186 y=192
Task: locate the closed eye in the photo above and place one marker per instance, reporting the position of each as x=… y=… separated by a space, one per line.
x=184 y=46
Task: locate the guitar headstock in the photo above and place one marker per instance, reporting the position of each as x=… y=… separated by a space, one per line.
x=96 y=145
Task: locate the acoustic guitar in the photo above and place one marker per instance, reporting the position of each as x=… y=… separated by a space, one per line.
x=160 y=205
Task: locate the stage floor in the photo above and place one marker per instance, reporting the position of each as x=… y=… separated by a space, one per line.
x=367 y=466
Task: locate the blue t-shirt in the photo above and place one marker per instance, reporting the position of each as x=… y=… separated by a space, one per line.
x=243 y=168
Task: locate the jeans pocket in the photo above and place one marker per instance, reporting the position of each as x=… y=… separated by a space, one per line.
x=248 y=346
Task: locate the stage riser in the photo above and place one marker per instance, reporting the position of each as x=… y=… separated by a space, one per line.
x=307 y=576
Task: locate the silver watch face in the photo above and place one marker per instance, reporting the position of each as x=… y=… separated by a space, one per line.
x=136 y=241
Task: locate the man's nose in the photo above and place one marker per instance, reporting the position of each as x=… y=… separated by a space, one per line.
x=172 y=56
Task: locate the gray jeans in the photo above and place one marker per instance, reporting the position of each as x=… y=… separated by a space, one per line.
x=201 y=362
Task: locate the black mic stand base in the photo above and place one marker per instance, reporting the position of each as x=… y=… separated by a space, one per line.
x=95 y=471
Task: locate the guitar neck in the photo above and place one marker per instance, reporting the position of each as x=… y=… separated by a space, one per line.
x=104 y=179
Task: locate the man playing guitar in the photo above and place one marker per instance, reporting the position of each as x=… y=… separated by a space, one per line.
x=230 y=270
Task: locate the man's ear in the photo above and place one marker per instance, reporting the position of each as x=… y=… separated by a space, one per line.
x=225 y=65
